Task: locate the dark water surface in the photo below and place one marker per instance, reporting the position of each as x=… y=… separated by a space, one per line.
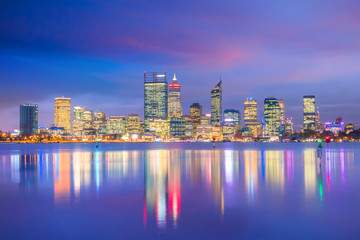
x=179 y=191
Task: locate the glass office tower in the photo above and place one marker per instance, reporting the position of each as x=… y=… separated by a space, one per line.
x=216 y=105
x=309 y=111
x=155 y=97
x=29 y=119
x=272 y=117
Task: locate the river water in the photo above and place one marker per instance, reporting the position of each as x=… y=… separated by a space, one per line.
x=179 y=191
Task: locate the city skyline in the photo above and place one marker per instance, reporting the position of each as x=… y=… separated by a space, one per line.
x=259 y=49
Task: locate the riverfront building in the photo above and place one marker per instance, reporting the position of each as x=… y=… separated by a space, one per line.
x=29 y=119
x=309 y=113
x=174 y=108
x=62 y=116
x=216 y=105
x=272 y=118
x=155 y=97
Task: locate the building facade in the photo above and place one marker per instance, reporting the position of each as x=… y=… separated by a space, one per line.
x=309 y=113
x=251 y=116
x=155 y=97
x=116 y=124
x=29 y=119
x=133 y=124
x=195 y=114
x=272 y=117
x=62 y=116
x=174 y=108
x=216 y=105
x=99 y=120
x=232 y=115
x=177 y=127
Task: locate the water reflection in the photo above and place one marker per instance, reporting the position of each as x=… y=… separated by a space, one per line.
x=162 y=177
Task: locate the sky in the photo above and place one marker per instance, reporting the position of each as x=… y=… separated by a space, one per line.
x=97 y=51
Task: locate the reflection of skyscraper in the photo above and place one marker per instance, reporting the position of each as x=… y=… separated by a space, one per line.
x=309 y=173
x=28 y=119
x=62 y=182
x=309 y=112
x=63 y=113
x=274 y=169
x=162 y=183
x=216 y=105
x=251 y=173
x=272 y=115
x=175 y=108
x=155 y=97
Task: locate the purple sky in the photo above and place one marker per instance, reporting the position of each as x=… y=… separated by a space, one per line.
x=96 y=52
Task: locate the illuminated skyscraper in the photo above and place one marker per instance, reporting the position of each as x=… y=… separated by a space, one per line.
x=174 y=108
x=155 y=97
x=282 y=110
x=83 y=122
x=195 y=113
x=99 y=120
x=232 y=115
x=251 y=116
x=63 y=113
x=77 y=125
x=133 y=124
x=272 y=116
x=289 y=126
x=88 y=120
x=309 y=112
x=29 y=119
x=216 y=105
x=177 y=127
x=116 y=125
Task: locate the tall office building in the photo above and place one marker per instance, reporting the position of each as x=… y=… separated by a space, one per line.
x=155 y=97
x=282 y=110
x=77 y=125
x=289 y=126
x=309 y=112
x=63 y=113
x=216 y=105
x=272 y=117
x=88 y=120
x=99 y=120
x=133 y=123
x=195 y=113
x=116 y=125
x=251 y=116
x=232 y=115
x=174 y=108
x=29 y=119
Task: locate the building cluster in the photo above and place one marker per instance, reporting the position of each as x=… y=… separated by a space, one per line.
x=164 y=118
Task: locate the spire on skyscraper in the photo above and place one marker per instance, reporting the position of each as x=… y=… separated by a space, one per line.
x=174 y=79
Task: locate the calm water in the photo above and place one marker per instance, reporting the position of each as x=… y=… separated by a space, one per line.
x=179 y=191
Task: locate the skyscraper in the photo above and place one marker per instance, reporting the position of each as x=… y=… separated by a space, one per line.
x=272 y=116
x=133 y=124
x=63 y=113
x=28 y=119
x=282 y=110
x=116 y=125
x=289 y=126
x=216 y=105
x=232 y=115
x=77 y=125
x=155 y=97
x=195 y=113
x=99 y=120
x=174 y=108
x=251 y=116
x=309 y=112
